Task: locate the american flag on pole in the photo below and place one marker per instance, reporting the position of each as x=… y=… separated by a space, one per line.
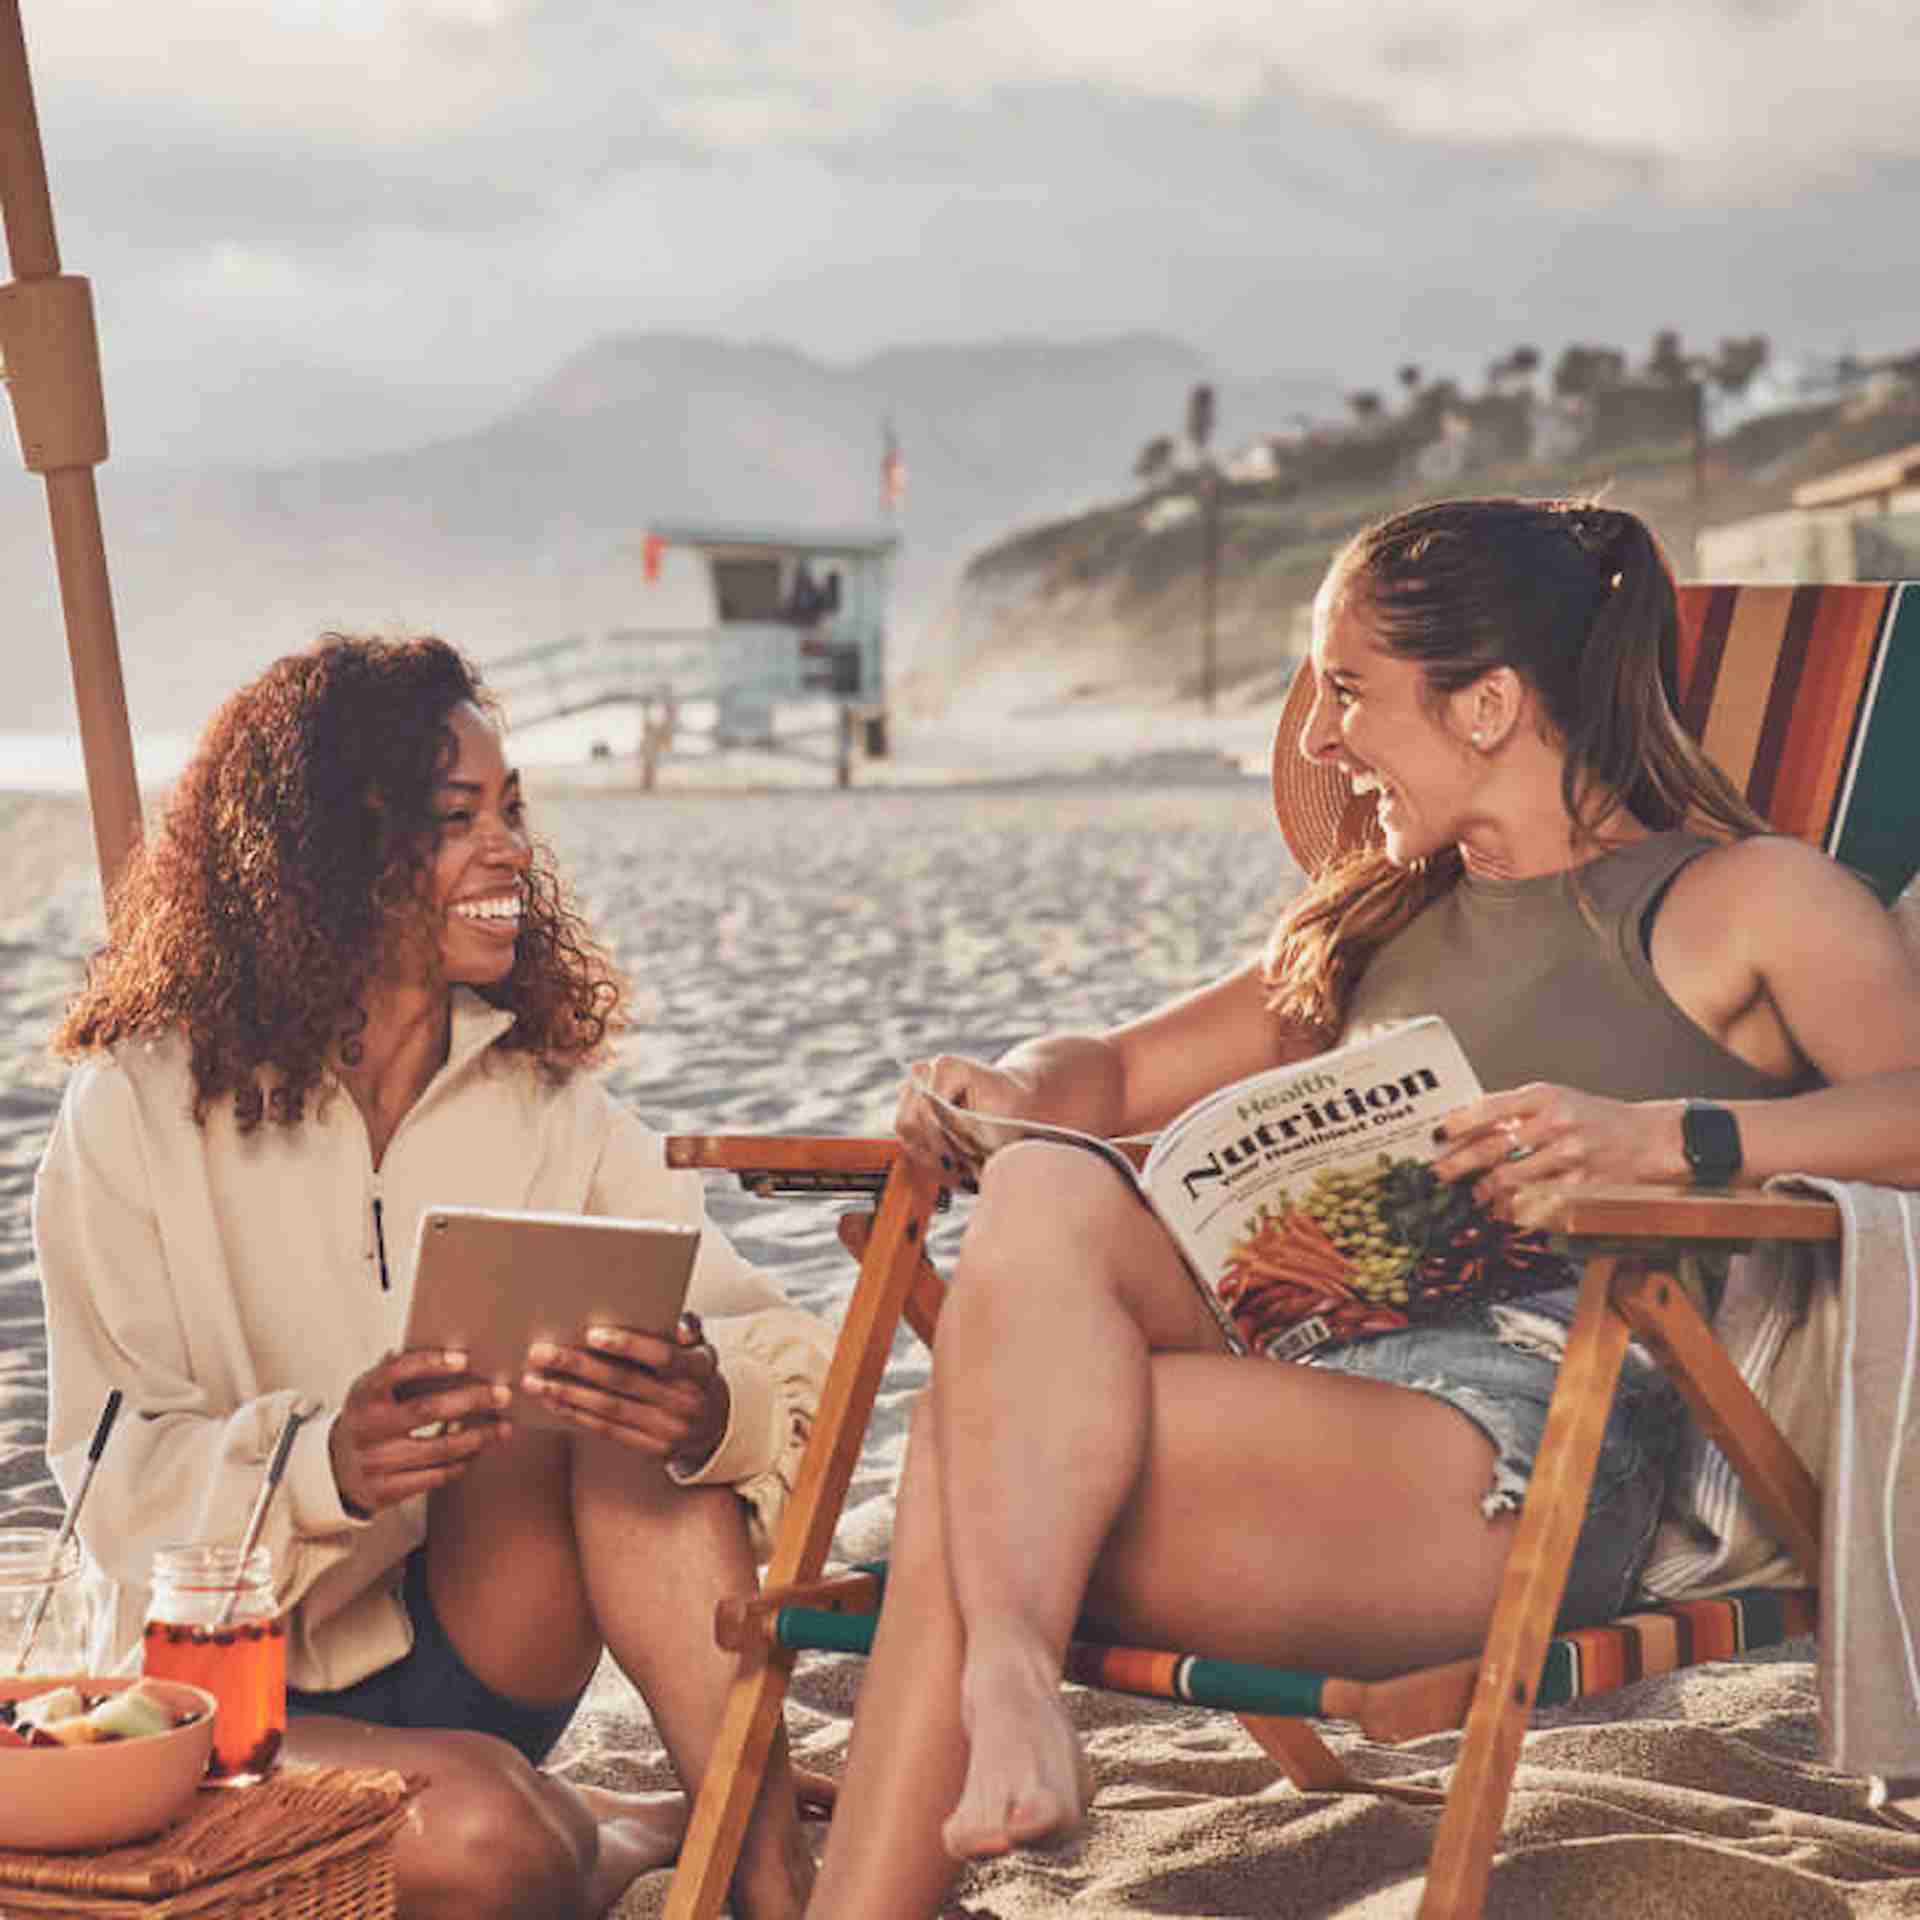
x=893 y=470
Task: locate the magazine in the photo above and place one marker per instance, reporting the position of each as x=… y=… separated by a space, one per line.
x=1303 y=1201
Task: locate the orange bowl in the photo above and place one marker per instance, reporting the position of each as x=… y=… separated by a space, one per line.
x=78 y=1799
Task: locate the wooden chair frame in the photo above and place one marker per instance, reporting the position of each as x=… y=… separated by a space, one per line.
x=1629 y=1241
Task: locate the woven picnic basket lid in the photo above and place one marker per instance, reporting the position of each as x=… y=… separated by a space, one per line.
x=306 y=1843
x=1321 y=817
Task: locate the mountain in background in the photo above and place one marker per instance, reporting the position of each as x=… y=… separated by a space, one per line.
x=529 y=528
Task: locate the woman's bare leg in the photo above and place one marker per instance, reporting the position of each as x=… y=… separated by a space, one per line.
x=656 y=1558
x=907 y=1757
x=550 y=1548
x=1262 y=1512
x=490 y=1837
x=1283 y=1515
x=1037 y=1457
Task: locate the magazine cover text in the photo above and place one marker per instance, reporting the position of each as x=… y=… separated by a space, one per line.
x=1306 y=1197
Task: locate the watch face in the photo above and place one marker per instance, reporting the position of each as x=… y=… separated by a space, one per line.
x=1712 y=1141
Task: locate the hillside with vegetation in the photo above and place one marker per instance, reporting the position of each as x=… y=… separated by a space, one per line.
x=1118 y=596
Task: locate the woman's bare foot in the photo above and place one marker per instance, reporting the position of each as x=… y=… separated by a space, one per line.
x=638 y=1832
x=777 y=1885
x=642 y=1831
x=1028 y=1783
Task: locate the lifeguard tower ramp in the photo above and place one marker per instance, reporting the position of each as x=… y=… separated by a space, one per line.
x=792 y=664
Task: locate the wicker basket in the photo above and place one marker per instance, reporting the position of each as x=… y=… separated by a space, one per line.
x=311 y=1843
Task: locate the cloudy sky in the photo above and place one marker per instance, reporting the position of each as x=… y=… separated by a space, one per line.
x=325 y=224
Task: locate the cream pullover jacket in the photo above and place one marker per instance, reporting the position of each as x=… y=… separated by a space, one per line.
x=220 y=1279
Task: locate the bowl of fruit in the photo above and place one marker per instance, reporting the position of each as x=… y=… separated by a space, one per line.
x=93 y=1763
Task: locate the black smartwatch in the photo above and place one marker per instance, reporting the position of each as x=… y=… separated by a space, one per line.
x=1711 y=1138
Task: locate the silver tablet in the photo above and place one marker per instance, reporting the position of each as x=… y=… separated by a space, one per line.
x=491 y=1282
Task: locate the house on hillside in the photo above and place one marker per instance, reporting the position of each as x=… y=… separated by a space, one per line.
x=1446 y=457
x=1254 y=464
x=1860 y=522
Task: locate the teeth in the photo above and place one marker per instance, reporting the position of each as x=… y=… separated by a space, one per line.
x=505 y=908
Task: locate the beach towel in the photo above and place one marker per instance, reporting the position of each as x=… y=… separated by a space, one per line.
x=1829 y=1337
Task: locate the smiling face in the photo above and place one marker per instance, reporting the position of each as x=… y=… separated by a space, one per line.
x=476 y=884
x=1376 y=721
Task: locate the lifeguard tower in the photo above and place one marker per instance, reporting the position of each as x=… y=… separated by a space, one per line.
x=793 y=664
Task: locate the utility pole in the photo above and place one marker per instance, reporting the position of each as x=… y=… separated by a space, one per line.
x=1700 y=449
x=1200 y=431
x=1209 y=576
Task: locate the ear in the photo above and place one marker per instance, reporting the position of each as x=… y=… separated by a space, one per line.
x=1487 y=712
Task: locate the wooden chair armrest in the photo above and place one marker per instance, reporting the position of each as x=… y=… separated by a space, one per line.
x=1621 y=1217
x=770 y=1163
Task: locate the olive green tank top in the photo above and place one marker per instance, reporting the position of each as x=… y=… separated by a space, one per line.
x=1541 y=984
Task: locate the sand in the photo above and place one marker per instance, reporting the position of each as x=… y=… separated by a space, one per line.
x=790 y=945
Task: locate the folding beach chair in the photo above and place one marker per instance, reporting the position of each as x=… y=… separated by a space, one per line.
x=1806 y=697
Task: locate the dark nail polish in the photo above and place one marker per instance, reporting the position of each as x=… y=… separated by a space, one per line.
x=1439 y=1136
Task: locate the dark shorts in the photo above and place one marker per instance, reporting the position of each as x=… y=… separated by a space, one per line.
x=430 y=1686
x=1499 y=1370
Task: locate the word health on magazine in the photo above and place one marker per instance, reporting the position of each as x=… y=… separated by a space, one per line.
x=1306 y=1198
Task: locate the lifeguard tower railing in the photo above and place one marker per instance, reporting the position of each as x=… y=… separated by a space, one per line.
x=793 y=664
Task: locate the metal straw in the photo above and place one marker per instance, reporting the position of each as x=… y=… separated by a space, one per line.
x=257 y=1519
x=95 y=1447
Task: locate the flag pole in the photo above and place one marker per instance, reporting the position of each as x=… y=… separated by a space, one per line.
x=52 y=362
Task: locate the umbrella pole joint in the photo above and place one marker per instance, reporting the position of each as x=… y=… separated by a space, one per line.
x=51 y=352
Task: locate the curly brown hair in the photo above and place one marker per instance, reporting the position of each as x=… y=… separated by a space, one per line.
x=292 y=854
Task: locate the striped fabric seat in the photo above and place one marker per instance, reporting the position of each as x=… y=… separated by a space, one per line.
x=1763 y=674
x=1681 y=1633
x=1584 y=1661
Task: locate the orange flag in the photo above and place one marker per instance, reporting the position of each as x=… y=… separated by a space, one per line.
x=893 y=471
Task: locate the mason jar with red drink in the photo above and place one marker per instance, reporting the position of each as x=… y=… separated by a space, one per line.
x=215 y=1623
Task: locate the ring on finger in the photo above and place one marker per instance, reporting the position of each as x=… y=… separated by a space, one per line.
x=1520 y=1151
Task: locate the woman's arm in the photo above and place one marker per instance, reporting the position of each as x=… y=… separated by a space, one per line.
x=1785 y=959
x=1834 y=967
x=181 y=1465
x=1129 y=1079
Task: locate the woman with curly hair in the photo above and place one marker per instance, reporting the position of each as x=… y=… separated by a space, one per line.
x=341 y=984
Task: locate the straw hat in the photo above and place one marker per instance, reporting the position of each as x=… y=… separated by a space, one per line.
x=1321 y=817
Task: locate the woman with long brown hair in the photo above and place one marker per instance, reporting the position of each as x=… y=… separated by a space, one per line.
x=1508 y=828
x=342 y=983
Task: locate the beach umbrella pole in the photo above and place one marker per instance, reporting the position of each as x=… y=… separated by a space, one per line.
x=52 y=360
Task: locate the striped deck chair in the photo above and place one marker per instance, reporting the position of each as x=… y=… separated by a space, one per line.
x=1807 y=697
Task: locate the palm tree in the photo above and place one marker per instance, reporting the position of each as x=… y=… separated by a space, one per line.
x=1200 y=417
x=1154 y=461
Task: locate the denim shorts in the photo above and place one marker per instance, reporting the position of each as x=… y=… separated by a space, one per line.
x=1498 y=1367
x=431 y=1686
